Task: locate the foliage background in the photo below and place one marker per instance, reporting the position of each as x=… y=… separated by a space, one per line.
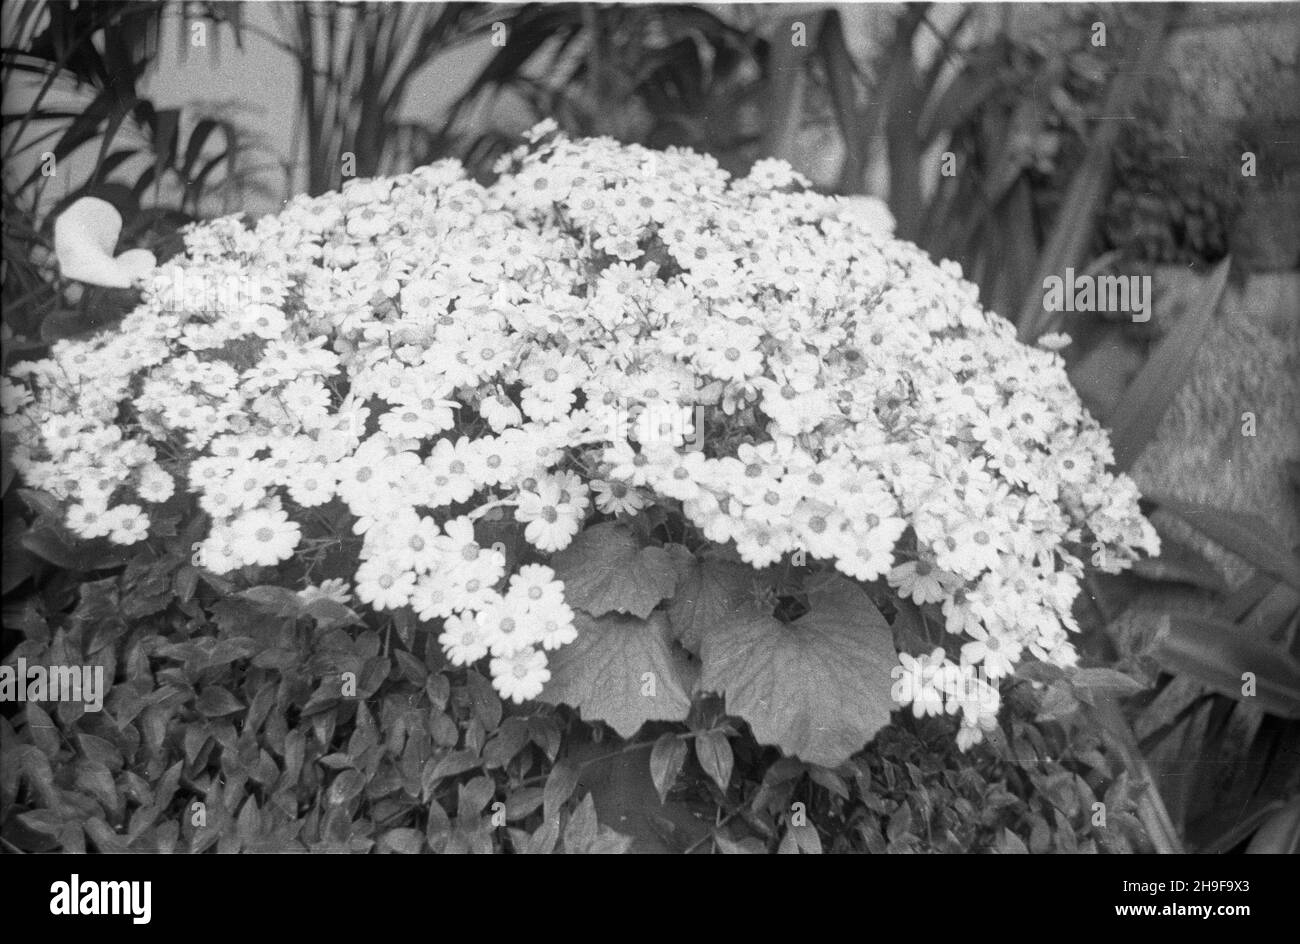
x=233 y=702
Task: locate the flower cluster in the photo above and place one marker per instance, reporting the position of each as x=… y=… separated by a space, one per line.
x=602 y=329
x=935 y=685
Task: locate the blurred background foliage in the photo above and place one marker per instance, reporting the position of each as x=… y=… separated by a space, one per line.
x=1123 y=157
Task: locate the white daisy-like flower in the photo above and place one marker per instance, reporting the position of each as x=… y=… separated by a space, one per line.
x=384 y=584
x=312 y=484
x=509 y=626
x=89 y=521
x=265 y=536
x=615 y=498
x=917 y=683
x=757 y=365
x=130 y=524
x=333 y=588
x=551 y=522
x=995 y=652
x=554 y=622
x=155 y=484
x=464 y=639
x=520 y=676
x=921 y=581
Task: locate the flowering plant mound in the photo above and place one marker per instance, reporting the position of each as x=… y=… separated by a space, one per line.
x=623 y=426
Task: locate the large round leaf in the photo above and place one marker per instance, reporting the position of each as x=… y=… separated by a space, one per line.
x=623 y=671
x=818 y=688
x=709 y=591
x=606 y=570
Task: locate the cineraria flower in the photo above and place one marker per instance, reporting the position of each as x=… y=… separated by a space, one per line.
x=312 y=484
x=450 y=476
x=434 y=597
x=508 y=626
x=921 y=581
x=554 y=622
x=155 y=484
x=917 y=682
x=265 y=536
x=500 y=412
x=464 y=639
x=520 y=676
x=129 y=524
x=335 y=588
x=998 y=655
x=536 y=586
x=1054 y=341
x=764 y=367
x=551 y=521
x=89 y=521
x=615 y=498
x=218 y=552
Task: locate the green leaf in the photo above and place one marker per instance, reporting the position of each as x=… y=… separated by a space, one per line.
x=404 y=622
x=708 y=591
x=42 y=730
x=451 y=764
x=1088 y=683
x=1180 y=563
x=42 y=503
x=784 y=110
x=509 y=741
x=484 y=702
x=1280 y=835
x=912 y=632
x=472 y=797
x=277 y=601
x=1058 y=702
x=900 y=823
x=1143 y=405
x=523 y=802
x=801 y=840
x=605 y=570
x=819 y=687
x=666 y=759
x=1074 y=226
x=1011 y=844
x=544 y=837
x=19 y=563
x=329 y=614
x=580 y=833
x=841 y=73
x=610 y=842
x=747 y=846
x=623 y=671
x=829 y=780
x=1219 y=654
x=7 y=470
x=103 y=836
x=216 y=701
x=249 y=824
x=43 y=822
x=403 y=840
x=62 y=324
x=100 y=750
x=560 y=784
x=50 y=543
x=1246 y=535
x=346 y=785
x=713 y=751
x=185 y=583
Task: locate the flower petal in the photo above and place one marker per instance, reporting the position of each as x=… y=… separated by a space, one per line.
x=137 y=263
x=85 y=235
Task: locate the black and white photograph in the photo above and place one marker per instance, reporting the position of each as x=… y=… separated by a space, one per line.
x=652 y=428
